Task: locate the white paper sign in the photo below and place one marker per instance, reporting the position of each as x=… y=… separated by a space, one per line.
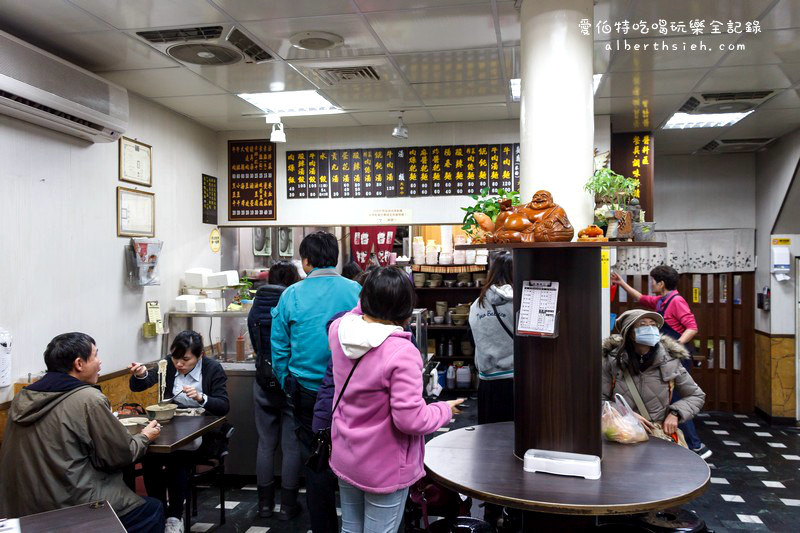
x=537 y=314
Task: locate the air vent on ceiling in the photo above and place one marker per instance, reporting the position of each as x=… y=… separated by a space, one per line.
x=727 y=146
x=204 y=54
x=729 y=102
x=247 y=46
x=338 y=75
x=181 y=34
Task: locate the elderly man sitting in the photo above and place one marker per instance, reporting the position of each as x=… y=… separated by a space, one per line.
x=63 y=446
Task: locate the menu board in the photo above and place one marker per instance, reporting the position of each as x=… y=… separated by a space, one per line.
x=402 y=172
x=209 y=199
x=538 y=308
x=251 y=180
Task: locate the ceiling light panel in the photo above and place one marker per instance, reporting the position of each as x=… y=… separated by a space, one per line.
x=470 y=26
x=291 y=103
x=680 y=121
x=276 y=35
x=455 y=65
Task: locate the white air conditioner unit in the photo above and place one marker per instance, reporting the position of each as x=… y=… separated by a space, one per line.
x=727 y=102
x=734 y=146
x=38 y=87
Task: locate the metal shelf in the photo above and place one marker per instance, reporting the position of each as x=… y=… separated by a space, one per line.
x=215 y=314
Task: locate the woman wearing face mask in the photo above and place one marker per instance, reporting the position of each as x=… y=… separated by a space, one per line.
x=639 y=356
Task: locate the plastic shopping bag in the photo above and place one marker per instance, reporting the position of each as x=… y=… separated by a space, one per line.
x=619 y=424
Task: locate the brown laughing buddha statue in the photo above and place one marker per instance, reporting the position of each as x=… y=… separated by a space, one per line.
x=541 y=220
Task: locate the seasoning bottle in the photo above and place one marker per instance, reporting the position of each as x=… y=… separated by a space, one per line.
x=240 y=348
x=451 y=349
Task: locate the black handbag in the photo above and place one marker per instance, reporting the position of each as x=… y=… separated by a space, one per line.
x=321 y=445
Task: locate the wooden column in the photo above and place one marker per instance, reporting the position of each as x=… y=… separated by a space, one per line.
x=557 y=380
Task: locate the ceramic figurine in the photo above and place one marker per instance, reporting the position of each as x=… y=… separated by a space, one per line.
x=541 y=220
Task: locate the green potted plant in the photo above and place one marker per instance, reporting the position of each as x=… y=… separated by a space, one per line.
x=612 y=193
x=244 y=294
x=487 y=205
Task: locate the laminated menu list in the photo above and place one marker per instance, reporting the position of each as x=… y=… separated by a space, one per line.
x=251 y=180
x=402 y=172
x=538 y=308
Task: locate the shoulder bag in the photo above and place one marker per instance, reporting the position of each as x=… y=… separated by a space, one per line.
x=497 y=314
x=658 y=432
x=321 y=445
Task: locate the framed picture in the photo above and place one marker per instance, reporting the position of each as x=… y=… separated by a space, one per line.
x=136 y=213
x=285 y=242
x=262 y=241
x=135 y=162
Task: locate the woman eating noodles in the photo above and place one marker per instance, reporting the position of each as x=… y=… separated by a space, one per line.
x=192 y=380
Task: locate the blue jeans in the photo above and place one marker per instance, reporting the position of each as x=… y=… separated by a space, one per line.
x=147 y=518
x=366 y=512
x=689 y=431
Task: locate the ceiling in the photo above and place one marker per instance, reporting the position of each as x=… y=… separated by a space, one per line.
x=438 y=60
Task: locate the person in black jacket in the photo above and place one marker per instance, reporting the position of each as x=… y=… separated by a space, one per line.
x=273 y=415
x=201 y=382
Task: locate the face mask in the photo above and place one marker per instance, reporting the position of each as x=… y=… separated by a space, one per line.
x=647 y=335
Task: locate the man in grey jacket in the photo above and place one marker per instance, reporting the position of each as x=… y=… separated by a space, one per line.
x=64 y=447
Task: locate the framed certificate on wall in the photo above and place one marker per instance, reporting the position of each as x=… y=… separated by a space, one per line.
x=135 y=162
x=136 y=213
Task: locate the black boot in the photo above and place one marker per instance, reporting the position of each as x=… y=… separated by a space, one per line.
x=289 y=506
x=266 y=500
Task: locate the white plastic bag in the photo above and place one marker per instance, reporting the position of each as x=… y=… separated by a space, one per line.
x=619 y=424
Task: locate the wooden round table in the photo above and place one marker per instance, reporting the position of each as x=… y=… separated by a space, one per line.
x=636 y=478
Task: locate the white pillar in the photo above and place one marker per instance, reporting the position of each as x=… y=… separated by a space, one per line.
x=557 y=114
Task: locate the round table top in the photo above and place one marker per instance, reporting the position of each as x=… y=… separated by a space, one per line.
x=479 y=461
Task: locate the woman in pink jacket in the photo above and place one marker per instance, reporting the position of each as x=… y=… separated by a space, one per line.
x=379 y=424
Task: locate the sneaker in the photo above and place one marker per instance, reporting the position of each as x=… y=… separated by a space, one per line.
x=703 y=451
x=174 y=525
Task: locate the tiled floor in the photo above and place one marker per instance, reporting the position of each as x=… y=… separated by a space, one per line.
x=754 y=485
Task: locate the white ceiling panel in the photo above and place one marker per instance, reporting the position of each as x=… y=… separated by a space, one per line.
x=456 y=65
x=508 y=16
x=381 y=64
x=706 y=54
x=774 y=46
x=668 y=142
x=50 y=16
x=765 y=123
x=649 y=83
x=752 y=78
x=685 y=10
x=602 y=57
x=420 y=30
x=319 y=121
x=389 y=118
x=391 y=5
x=470 y=92
x=358 y=40
x=127 y=14
x=254 y=78
x=468 y=113
x=221 y=105
x=108 y=50
x=225 y=123
x=162 y=82
x=639 y=114
x=275 y=9
x=785 y=14
x=373 y=96
x=784 y=100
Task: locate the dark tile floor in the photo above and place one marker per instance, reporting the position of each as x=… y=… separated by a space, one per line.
x=754 y=485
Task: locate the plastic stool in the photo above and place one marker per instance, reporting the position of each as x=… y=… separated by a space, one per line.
x=462 y=524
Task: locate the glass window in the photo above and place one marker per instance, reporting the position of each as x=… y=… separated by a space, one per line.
x=710 y=345
x=710 y=288
x=697 y=286
x=722 y=354
x=723 y=289
x=737 y=288
x=737 y=355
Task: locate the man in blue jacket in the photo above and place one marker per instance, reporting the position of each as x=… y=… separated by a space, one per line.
x=300 y=354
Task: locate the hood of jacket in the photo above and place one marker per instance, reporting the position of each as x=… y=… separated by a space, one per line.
x=357 y=336
x=615 y=344
x=498 y=295
x=36 y=400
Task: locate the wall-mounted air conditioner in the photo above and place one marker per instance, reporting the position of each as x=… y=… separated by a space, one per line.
x=38 y=87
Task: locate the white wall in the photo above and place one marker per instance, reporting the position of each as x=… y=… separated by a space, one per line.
x=774 y=170
x=347 y=211
x=694 y=192
x=63 y=268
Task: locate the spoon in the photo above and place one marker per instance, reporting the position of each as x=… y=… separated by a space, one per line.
x=169 y=400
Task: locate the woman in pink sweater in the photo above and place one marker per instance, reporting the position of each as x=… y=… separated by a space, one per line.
x=379 y=424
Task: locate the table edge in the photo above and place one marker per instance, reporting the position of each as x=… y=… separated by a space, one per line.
x=169 y=448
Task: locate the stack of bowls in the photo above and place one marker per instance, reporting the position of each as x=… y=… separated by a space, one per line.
x=419 y=279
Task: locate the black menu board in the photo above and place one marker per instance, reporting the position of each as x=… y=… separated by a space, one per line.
x=209 y=199
x=402 y=172
x=251 y=180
